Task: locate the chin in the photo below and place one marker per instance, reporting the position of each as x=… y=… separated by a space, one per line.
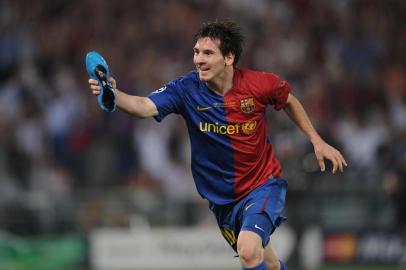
x=204 y=78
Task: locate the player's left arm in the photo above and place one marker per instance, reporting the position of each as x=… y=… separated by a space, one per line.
x=296 y=112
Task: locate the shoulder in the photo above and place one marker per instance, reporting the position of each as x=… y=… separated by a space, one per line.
x=191 y=78
x=258 y=81
x=255 y=75
x=180 y=84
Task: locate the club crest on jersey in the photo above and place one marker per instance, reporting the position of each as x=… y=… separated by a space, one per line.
x=247 y=105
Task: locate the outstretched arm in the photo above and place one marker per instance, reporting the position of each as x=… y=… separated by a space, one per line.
x=296 y=112
x=141 y=107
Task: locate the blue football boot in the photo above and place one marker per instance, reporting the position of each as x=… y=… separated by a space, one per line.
x=98 y=69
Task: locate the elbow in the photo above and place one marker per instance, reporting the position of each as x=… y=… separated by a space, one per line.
x=144 y=108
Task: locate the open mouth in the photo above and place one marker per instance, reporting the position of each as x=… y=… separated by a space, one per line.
x=205 y=69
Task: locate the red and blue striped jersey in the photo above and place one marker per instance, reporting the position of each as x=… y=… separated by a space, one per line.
x=231 y=152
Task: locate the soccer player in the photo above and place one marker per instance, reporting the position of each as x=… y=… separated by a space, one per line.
x=233 y=163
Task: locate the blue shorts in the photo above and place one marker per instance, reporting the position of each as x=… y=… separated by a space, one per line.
x=259 y=212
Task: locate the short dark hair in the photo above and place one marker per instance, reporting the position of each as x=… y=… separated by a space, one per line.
x=229 y=34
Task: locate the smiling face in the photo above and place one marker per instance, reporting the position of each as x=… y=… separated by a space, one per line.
x=210 y=63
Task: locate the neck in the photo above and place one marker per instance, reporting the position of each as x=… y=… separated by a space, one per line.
x=223 y=83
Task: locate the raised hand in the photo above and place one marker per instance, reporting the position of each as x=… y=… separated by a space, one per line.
x=94 y=85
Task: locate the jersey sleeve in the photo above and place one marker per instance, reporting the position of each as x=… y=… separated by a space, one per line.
x=277 y=91
x=168 y=99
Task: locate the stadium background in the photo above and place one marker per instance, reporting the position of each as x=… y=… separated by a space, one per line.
x=70 y=172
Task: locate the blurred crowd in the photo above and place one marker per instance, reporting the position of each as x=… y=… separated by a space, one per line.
x=345 y=60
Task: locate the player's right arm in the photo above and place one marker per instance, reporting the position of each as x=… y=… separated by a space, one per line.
x=141 y=107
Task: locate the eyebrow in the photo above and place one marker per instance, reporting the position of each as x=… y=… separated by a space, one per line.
x=206 y=50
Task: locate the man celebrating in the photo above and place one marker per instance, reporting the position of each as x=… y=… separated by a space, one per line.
x=233 y=163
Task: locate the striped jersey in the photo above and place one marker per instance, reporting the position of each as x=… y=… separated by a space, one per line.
x=231 y=152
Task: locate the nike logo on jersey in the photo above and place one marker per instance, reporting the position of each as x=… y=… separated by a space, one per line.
x=215 y=105
x=259 y=228
x=248 y=206
x=202 y=109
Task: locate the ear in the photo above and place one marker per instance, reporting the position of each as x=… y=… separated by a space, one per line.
x=229 y=59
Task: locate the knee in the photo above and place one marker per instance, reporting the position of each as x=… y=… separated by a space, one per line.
x=250 y=255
